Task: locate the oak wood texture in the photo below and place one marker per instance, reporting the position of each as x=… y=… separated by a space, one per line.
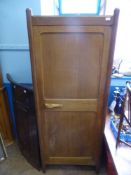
x=71 y=65
x=5 y=125
x=72 y=104
x=79 y=21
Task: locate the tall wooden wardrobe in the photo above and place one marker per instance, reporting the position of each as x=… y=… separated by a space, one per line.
x=71 y=61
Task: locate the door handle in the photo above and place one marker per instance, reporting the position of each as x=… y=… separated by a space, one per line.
x=53 y=105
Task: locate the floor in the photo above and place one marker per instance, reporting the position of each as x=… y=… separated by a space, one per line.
x=15 y=164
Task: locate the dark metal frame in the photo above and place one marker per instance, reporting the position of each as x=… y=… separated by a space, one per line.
x=125 y=106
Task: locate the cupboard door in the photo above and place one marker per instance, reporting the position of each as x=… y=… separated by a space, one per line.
x=70 y=80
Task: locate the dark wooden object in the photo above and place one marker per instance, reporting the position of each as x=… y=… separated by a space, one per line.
x=125 y=114
x=5 y=124
x=71 y=61
x=24 y=107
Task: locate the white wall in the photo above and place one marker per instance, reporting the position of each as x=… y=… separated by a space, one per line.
x=123 y=41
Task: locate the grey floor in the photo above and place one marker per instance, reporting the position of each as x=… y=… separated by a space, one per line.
x=15 y=164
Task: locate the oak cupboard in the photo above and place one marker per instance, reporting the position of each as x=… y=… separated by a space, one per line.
x=71 y=60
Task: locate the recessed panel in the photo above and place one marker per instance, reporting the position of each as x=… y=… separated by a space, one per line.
x=71 y=64
x=71 y=134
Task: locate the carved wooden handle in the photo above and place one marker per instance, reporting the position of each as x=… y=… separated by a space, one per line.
x=53 y=105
